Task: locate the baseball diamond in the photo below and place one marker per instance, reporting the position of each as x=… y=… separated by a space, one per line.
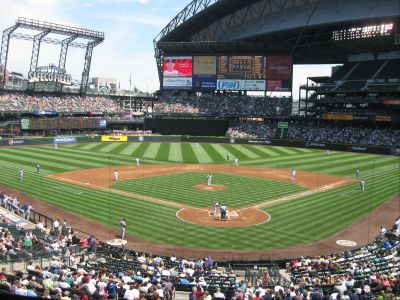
x=76 y=180
x=244 y=150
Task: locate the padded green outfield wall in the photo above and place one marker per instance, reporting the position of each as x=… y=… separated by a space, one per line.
x=203 y=139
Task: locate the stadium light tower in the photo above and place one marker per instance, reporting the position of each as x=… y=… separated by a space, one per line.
x=92 y=37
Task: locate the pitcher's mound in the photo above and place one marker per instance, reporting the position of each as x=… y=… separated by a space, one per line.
x=212 y=187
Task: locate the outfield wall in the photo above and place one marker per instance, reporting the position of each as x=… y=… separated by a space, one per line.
x=203 y=139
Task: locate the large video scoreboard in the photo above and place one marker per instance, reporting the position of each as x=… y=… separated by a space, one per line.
x=245 y=67
x=228 y=72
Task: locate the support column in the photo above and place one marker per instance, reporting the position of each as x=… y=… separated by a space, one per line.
x=35 y=53
x=5 y=42
x=86 y=66
x=63 y=54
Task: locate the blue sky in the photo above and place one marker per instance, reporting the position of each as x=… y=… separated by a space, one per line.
x=129 y=26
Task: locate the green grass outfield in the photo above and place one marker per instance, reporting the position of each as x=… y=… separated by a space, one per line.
x=301 y=221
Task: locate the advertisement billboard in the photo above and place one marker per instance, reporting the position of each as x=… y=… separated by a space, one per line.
x=204 y=65
x=178 y=66
x=279 y=67
x=113 y=138
x=45 y=112
x=62 y=140
x=205 y=82
x=229 y=84
x=177 y=82
x=253 y=85
x=102 y=123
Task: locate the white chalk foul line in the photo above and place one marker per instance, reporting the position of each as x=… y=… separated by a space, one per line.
x=302 y=194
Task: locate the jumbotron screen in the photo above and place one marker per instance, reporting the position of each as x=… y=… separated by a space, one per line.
x=178 y=66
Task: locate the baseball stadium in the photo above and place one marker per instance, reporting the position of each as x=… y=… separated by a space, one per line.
x=225 y=183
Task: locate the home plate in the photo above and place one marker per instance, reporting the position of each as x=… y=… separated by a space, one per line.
x=233 y=214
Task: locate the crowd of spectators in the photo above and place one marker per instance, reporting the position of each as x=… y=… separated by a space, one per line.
x=369 y=272
x=11 y=102
x=335 y=133
x=224 y=105
x=322 y=132
x=250 y=129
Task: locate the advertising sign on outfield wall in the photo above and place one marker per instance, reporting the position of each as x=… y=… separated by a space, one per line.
x=62 y=140
x=113 y=138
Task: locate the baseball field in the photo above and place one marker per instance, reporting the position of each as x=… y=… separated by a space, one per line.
x=166 y=200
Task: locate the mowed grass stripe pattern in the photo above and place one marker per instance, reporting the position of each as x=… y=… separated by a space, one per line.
x=80 y=156
x=240 y=191
x=300 y=221
x=288 y=220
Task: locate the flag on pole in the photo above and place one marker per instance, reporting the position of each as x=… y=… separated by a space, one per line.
x=130 y=80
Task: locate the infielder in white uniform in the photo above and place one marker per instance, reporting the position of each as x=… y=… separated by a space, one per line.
x=362 y=184
x=293 y=176
x=116 y=175
x=209 y=179
x=137 y=161
x=236 y=161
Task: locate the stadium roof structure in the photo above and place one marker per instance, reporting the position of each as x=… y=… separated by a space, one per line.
x=301 y=28
x=38 y=32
